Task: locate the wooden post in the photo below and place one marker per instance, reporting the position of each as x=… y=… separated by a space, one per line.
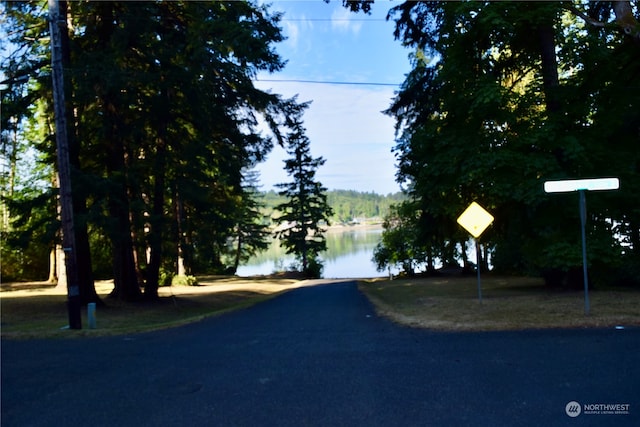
x=64 y=168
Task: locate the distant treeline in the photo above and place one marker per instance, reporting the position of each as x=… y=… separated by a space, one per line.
x=348 y=205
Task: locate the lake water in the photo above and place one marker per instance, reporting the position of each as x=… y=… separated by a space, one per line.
x=348 y=255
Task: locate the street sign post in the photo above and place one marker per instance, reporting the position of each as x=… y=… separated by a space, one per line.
x=582 y=185
x=475 y=219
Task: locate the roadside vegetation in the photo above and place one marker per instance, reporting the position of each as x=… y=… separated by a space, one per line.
x=508 y=303
x=38 y=309
x=529 y=92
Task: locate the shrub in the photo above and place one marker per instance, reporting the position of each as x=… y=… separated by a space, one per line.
x=314 y=269
x=166 y=278
x=184 y=281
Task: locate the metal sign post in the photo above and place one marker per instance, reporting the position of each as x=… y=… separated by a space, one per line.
x=583 y=222
x=475 y=220
x=582 y=185
x=478 y=261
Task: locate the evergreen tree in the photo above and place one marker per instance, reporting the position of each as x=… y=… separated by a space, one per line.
x=251 y=233
x=304 y=214
x=506 y=95
x=165 y=118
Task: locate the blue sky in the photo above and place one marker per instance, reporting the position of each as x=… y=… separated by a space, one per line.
x=326 y=42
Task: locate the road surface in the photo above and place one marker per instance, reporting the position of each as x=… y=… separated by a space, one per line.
x=319 y=356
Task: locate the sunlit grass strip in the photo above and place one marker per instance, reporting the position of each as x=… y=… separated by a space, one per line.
x=39 y=310
x=508 y=304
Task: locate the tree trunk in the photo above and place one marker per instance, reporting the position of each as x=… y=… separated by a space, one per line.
x=635 y=237
x=156 y=221
x=466 y=267
x=182 y=265
x=137 y=250
x=53 y=278
x=478 y=248
x=485 y=258
x=126 y=286
x=57 y=270
x=61 y=270
x=430 y=266
x=550 y=80
x=85 y=269
x=449 y=253
x=13 y=166
x=626 y=20
x=236 y=262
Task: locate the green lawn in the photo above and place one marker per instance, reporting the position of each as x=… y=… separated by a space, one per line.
x=451 y=303
x=38 y=310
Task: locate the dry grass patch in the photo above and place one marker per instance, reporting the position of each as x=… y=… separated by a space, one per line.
x=38 y=310
x=508 y=303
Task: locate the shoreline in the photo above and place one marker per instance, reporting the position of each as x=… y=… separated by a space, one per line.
x=377 y=225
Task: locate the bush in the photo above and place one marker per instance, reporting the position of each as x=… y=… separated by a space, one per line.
x=184 y=281
x=166 y=278
x=314 y=269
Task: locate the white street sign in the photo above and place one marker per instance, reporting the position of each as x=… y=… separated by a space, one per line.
x=581 y=184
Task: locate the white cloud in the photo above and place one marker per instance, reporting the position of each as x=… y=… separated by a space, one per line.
x=347 y=128
x=297 y=30
x=292 y=32
x=341 y=20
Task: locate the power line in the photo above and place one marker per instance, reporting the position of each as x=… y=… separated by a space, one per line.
x=327 y=82
x=334 y=20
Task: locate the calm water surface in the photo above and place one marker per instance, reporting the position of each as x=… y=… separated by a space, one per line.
x=348 y=255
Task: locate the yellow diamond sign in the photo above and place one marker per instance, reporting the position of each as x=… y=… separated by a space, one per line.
x=475 y=219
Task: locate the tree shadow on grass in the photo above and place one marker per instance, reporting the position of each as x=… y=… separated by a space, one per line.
x=43 y=315
x=26 y=286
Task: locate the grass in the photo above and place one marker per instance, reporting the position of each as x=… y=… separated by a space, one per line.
x=38 y=309
x=508 y=303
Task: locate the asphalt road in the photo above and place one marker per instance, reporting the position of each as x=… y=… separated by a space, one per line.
x=319 y=356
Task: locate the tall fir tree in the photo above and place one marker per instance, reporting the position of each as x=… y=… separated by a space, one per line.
x=306 y=211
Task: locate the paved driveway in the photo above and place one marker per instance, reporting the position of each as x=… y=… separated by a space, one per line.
x=319 y=356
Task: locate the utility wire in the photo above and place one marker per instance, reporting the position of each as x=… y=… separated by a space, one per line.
x=334 y=20
x=328 y=82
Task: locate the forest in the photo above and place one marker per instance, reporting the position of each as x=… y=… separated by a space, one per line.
x=503 y=97
x=162 y=119
x=165 y=126
x=349 y=206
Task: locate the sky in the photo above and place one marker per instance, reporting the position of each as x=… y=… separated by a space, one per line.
x=345 y=123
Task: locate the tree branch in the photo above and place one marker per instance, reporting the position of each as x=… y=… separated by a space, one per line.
x=624 y=18
x=589 y=20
